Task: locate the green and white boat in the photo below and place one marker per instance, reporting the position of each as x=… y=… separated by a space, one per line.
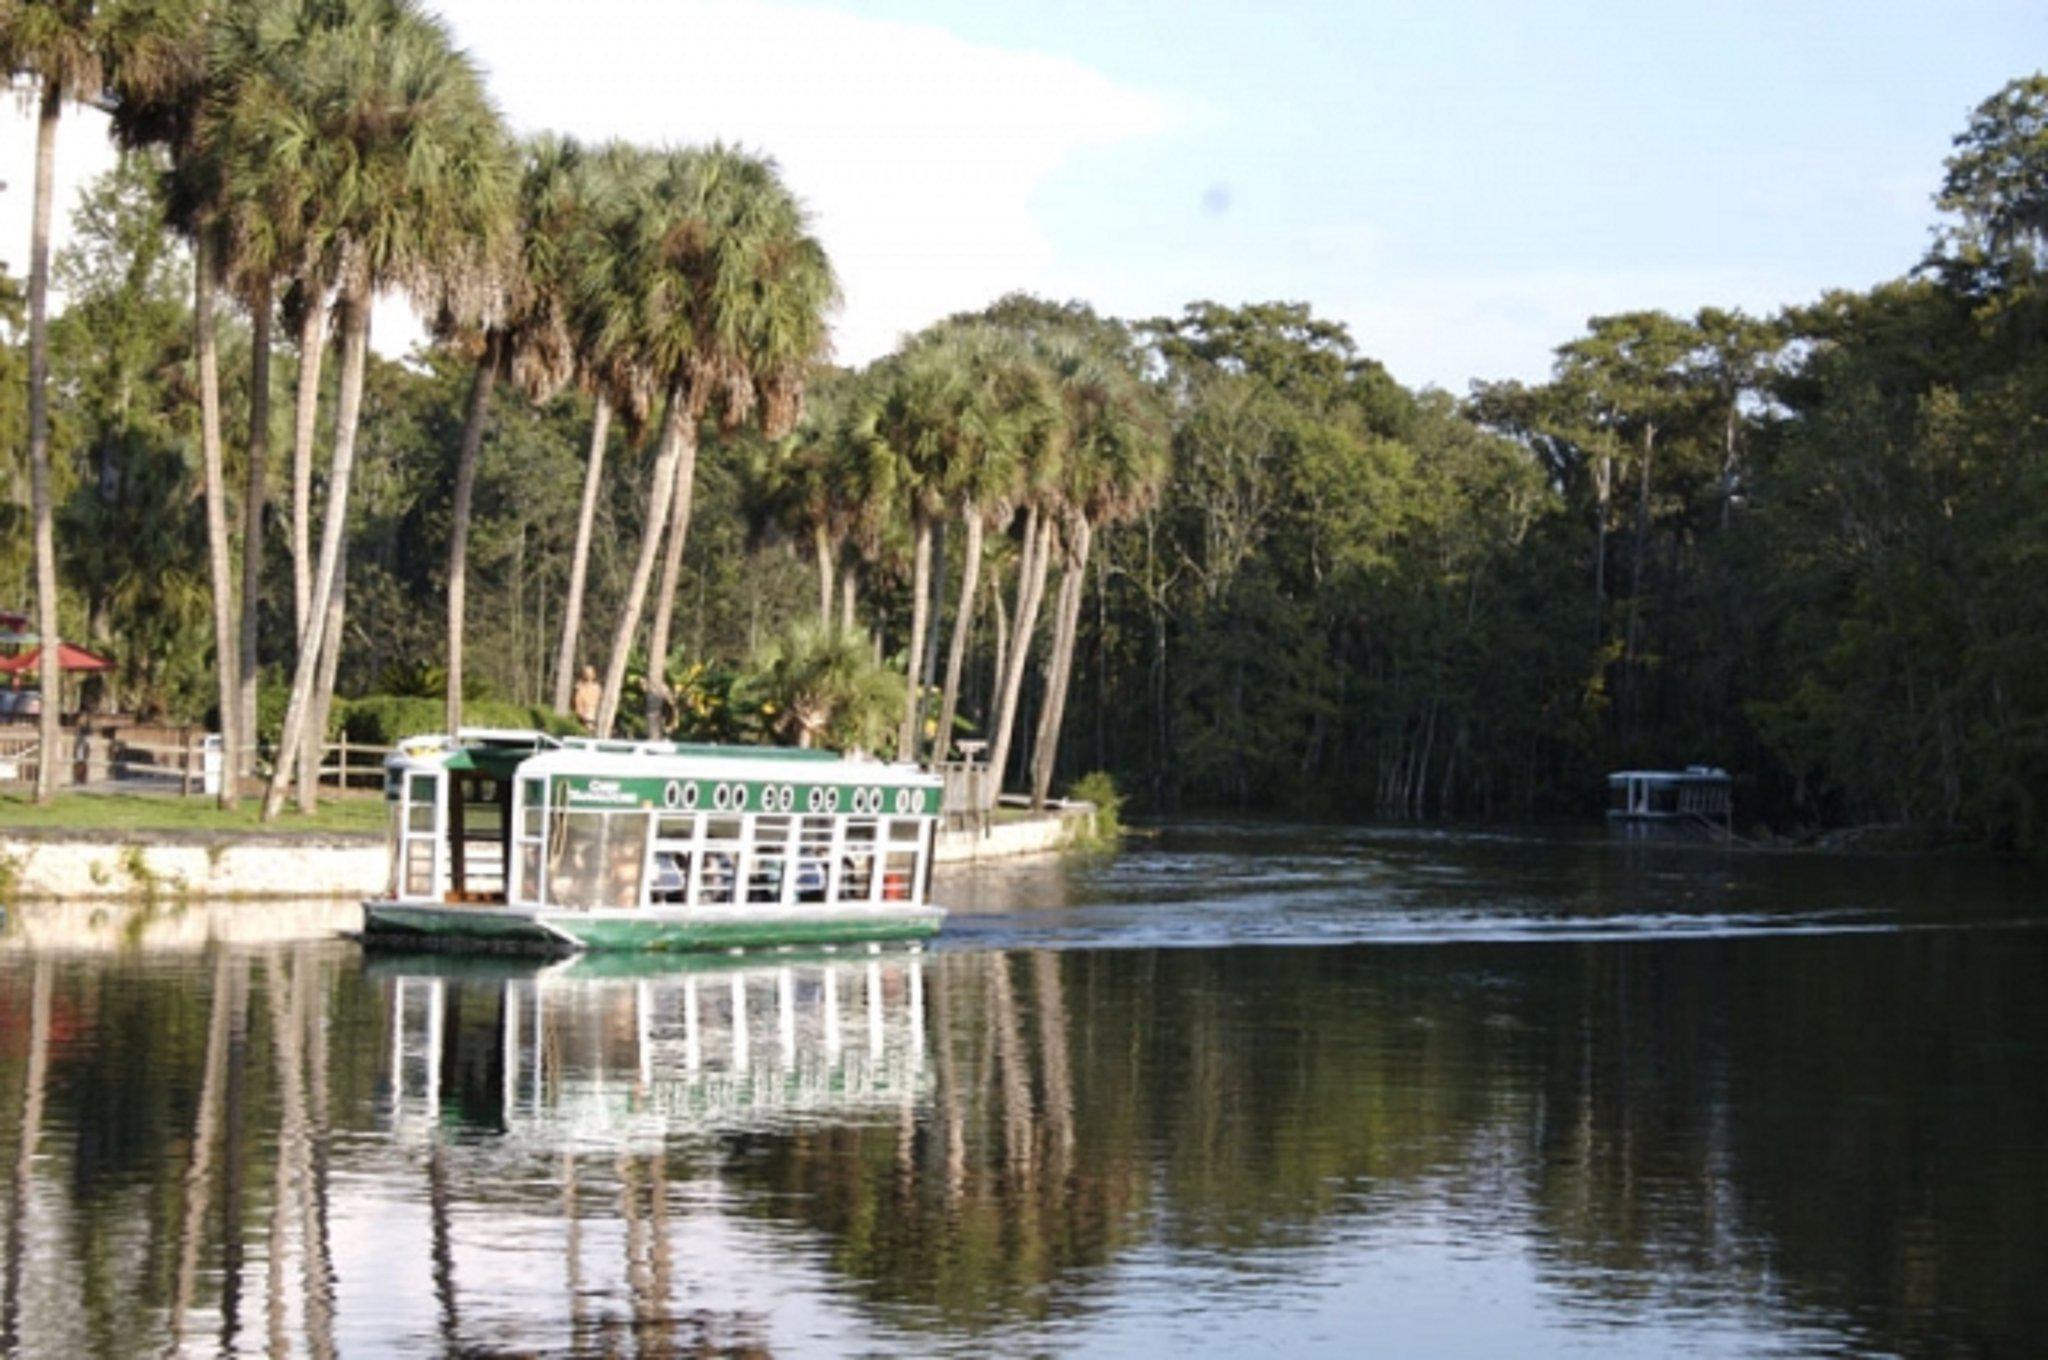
x=517 y=841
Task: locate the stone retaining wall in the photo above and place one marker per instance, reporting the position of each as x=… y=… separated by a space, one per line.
x=1045 y=833
x=86 y=865
x=92 y=865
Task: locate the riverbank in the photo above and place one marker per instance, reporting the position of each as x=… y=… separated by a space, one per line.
x=112 y=861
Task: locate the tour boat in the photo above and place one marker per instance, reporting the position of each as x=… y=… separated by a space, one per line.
x=1671 y=802
x=518 y=841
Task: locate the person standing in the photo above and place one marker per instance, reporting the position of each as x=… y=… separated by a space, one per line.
x=584 y=699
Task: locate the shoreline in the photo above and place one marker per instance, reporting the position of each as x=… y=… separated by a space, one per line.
x=100 y=864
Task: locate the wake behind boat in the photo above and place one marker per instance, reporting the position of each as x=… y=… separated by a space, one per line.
x=518 y=841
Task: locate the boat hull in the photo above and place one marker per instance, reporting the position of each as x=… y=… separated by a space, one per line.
x=524 y=930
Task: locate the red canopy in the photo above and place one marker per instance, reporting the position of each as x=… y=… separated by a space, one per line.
x=69 y=658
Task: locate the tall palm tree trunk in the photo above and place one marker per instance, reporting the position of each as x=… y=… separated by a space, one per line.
x=920 y=609
x=671 y=579
x=1066 y=630
x=458 y=528
x=355 y=332
x=579 y=560
x=963 y=624
x=849 y=588
x=821 y=543
x=44 y=509
x=305 y=422
x=323 y=686
x=1031 y=573
x=206 y=350
x=935 y=610
x=999 y=634
x=660 y=490
x=254 y=499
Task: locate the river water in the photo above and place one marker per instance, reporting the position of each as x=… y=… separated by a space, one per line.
x=1239 y=1090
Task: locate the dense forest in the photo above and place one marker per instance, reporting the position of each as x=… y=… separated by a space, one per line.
x=1221 y=554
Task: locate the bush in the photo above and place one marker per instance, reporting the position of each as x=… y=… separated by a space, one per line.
x=387 y=719
x=1098 y=788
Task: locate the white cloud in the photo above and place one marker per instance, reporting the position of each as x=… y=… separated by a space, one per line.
x=83 y=152
x=918 y=152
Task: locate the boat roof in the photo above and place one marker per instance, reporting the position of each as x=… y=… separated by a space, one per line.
x=1696 y=772
x=499 y=751
x=666 y=760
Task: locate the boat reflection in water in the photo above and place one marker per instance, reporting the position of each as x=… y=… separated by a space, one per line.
x=589 y=1058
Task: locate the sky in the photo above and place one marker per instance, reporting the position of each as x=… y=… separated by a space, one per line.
x=1462 y=183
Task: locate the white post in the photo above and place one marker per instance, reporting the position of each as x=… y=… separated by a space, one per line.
x=835 y=870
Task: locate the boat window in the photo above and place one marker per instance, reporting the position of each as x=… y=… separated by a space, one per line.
x=597 y=859
x=899 y=864
x=529 y=871
x=673 y=828
x=857 y=860
x=770 y=860
x=718 y=869
x=814 y=859
x=904 y=829
x=533 y=798
x=421 y=798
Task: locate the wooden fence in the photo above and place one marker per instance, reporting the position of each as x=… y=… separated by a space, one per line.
x=117 y=759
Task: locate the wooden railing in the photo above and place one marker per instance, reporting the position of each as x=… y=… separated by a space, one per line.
x=964 y=803
x=169 y=760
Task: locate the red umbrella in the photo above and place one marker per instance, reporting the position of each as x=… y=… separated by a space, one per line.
x=69 y=658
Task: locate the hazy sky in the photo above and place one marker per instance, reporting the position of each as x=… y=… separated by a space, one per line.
x=1464 y=183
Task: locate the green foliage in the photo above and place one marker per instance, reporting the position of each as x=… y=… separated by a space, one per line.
x=1807 y=546
x=1099 y=787
x=817 y=685
x=385 y=719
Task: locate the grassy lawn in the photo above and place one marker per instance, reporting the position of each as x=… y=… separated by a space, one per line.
x=163 y=812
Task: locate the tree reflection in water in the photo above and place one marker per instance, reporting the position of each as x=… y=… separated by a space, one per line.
x=1834 y=1134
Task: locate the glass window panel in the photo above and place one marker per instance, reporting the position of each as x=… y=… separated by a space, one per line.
x=421 y=795
x=597 y=859
x=899 y=871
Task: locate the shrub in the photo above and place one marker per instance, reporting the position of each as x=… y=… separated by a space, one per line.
x=386 y=719
x=1098 y=788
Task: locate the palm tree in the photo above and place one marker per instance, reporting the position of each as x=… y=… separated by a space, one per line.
x=800 y=486
x=1011 y=425
x=62 y=46
x=265 y=206
x=164 y=93
x=530 y=343
x=420 y=199
x=600 y=318
x=728 y=297
x=824 y=686
x=907 y=422
x=1116 y=462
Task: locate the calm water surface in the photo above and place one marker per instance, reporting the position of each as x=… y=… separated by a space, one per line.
x=1241 y=1090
